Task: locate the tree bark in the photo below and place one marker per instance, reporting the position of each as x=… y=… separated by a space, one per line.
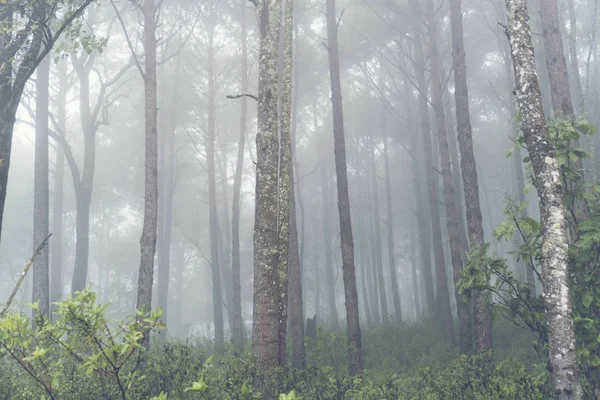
x=443 y=309
x=266 y=335
x=41 y=201
x=482 y=317
x=149 y=229
x=352 y=317
x=562 y=356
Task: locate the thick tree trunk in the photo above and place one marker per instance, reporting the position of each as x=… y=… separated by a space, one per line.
x=562 y=356
x=443 y=309
x=149 y=229
x=390 y=232
x=237 y=332
x=352 y=317
x=217 y=295
x=271 y=184
x=82 y=238
x=385 y=317
x=482 y=317
x=452 y=212
x=41 y=206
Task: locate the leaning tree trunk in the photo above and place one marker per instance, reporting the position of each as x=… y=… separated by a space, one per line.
x=562 y=356
x=41 y=290
x=149 y=229
x=482 y=317
x=452 y=212
x=352 y=318
x=443 y=296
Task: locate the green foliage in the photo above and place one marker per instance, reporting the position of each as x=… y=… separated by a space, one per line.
x=515 y=301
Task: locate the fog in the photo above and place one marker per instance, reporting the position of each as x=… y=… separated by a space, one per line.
x=403 y=159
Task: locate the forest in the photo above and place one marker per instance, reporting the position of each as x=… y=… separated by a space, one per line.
x=310 y=199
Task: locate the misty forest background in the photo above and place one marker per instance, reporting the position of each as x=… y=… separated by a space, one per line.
x=334 y=199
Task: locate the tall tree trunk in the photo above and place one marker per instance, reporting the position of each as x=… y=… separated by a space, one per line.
x=377 y=230
x=414 y=275
x=296 y=310
x=295 y=290
x=420 y=201
x=286 y=43
x=352 y=317
x=84 y=181
x=390 y=232
x=443 y=296
x=452 y=212
x=572 y=41
x=271 y=186
x=482 y=317
x=560 y=92
x=517 y=156
x=326 y=190
x=165 y=222
x=149 y=229
x=562 y=356
x=41 y=206
x=237 y=332
x=217 y=295
x=56 y=281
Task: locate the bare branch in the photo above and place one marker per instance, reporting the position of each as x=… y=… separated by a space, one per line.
x=239 y=96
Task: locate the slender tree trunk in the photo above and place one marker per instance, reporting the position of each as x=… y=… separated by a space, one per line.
x=352 y=317
x=390 y=233
x=482 y=318
x=572 y=41
x=560 y=93
x=562 y=356
x=415 y=275
x=217 y=295
x=452 y=213
x=443 y=296
x=56 y=284
x=237 y=332
x=83 y=182
x=41 y=206
x=296 y=310
x=517 y=156
x=149 y=229
x=295 y=291
x=420 y=201
x=377 y=230
x=328 y=242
